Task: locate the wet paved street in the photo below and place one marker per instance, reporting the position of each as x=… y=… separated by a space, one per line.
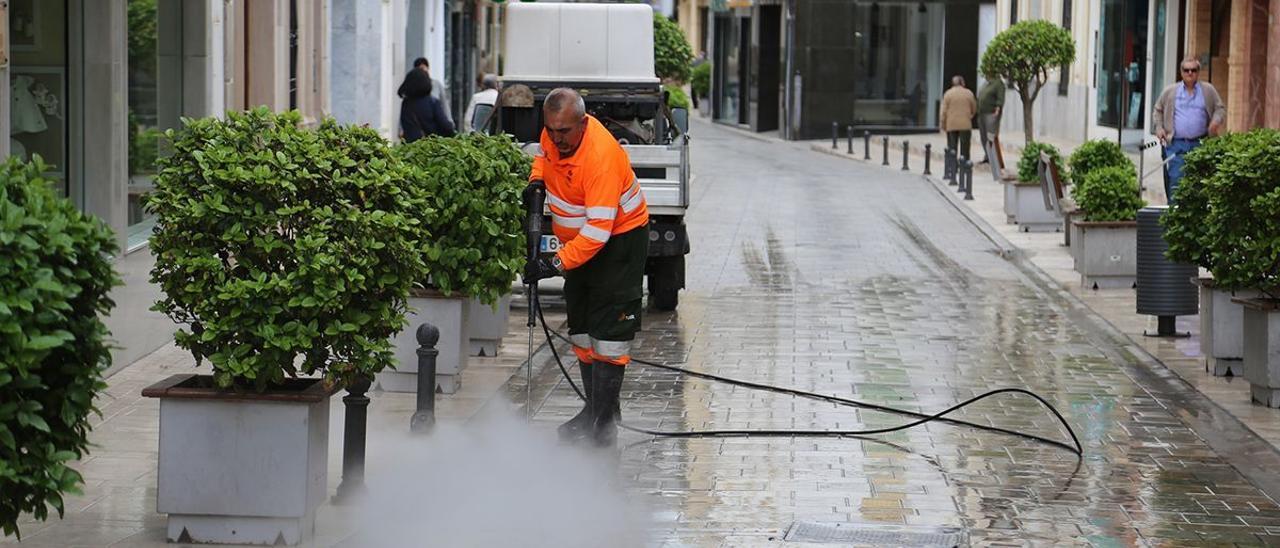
x=824 y=275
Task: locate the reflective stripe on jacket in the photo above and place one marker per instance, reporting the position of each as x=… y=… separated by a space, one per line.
x=592 y=195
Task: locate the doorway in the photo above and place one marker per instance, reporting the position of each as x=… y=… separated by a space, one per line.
x=1122 y=67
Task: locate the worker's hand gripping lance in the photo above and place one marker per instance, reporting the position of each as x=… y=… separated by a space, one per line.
x=535 y=197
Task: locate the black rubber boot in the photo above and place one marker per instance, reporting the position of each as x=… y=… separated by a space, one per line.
x=607 y=380
x=577 y=428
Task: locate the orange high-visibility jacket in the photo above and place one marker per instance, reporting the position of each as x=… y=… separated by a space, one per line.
x=592 y=195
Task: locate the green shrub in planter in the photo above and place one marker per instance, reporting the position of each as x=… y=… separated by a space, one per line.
x=672 y=55
x=1185 y=227
x=1109 y=194
x=677 y=98
x=1095 y=154
x=1243 y=223
x=55 y=274
x=472 y=184
x=700 y=81
x=1030 y=159
x=274 y=242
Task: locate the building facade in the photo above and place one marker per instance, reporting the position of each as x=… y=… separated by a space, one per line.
x=94 y=83
x=796 y=66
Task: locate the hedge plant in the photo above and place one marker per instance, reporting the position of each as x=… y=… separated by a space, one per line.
x=700 y=80
x=1242 y=226
x=677 y=98
x=1109 y=194
x=472 y=185
x=672 y=55
x=1186 y=230
x=275 y=242
x=55 y=275
x=1028 y=163
x=1023 y=55
x=1095 y=154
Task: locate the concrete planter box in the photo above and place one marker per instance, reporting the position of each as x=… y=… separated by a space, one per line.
x=449 y=315
x=1222 y=328
x=1106 y=253
x=1262 y=349
x=1010 y=200
x=1026 y=201
x=241 y=467
x=487 y=325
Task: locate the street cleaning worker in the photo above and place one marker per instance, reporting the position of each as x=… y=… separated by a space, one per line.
x=600 y=215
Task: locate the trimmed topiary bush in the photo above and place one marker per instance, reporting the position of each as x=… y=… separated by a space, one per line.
x=55 y=275
x=677 y=98
x=1028 y=163
x=1023 y=55
x=672 y=56
x=1185 y=224
x=1095 y=154
x=1109 y=194
x=275 y=242
x=472 y=184
x=700 y=81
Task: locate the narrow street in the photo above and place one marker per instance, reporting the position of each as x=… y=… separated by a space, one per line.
x=825 y=275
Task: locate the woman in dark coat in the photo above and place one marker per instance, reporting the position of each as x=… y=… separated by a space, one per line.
x=420 y=113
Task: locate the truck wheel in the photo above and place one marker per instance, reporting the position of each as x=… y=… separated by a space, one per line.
x=666 y=278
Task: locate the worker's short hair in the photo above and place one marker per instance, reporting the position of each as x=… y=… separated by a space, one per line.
x=560 y=98
x=421 y=62
x=957 y=80
x=489 y=81
x=1189 y=59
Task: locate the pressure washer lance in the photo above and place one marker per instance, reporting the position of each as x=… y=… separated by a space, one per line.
x=535 y=196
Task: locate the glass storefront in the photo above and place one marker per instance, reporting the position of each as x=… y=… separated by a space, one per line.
x=145 y=131
x=898 y=57
x=729 y=36
x=1121 y=61
x=39 y=108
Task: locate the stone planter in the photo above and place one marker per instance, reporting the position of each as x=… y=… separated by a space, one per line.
x=241 y=467
x=1221 y=328
x=1010 y=200
x=449 y=315
x=1106 y=253
x=487 y=325
x=1262 y=349
x=1026 y=201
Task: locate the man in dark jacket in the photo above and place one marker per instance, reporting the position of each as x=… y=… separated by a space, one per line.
x=990 y=107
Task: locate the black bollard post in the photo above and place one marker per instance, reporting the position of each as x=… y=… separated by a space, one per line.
x=960 y=174
x=835 y=135
x=424 y=418
x=886 y=151
x=928 y=155
x=866 y=145
x=949 y=166
x=904 y=156
x=968 y=179
x=353 y=435
x=848 y=134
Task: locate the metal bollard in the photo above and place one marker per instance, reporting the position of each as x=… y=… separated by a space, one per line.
x=928 y=155
x=949 y=166
x=886 y=151
x=835 y=135
x=848 y=134
x=424 y=418
x=960 y=174
x=353 y=436
x=904 y=156
x=968 y=179
x=866 y=145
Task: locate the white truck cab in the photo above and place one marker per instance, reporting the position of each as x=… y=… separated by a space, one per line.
x=605 y=51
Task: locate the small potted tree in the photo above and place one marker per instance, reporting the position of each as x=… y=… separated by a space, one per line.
x=1024 y=200
x=54 y=278
x=1023 y=55
x=1107 y=238
x=1187 y=233
x=286 y=254
x=472 y=184
x=700 y=85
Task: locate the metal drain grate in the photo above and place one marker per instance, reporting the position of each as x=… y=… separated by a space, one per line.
x=874 y=534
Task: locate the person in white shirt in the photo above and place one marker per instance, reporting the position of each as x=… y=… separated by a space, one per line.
x=488 y=95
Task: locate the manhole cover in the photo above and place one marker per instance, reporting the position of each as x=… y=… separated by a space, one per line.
x=874 y=534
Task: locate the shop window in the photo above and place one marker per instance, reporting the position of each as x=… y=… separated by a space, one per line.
x=898 y=55
x=38 y=85
x=1122 y=63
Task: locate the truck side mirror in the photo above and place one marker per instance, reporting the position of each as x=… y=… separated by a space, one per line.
x=681 y=117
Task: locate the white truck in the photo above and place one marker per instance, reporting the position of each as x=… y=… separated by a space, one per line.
x=605 y=51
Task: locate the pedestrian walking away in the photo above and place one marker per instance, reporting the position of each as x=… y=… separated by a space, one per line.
x=990 y=108
x=438 y=90
x=1185 y=114
x=421 y=115
x=487 y=96
x=599 y=213
x=959 y=106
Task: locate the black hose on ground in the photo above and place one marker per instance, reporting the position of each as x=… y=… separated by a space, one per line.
x=922 y=418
